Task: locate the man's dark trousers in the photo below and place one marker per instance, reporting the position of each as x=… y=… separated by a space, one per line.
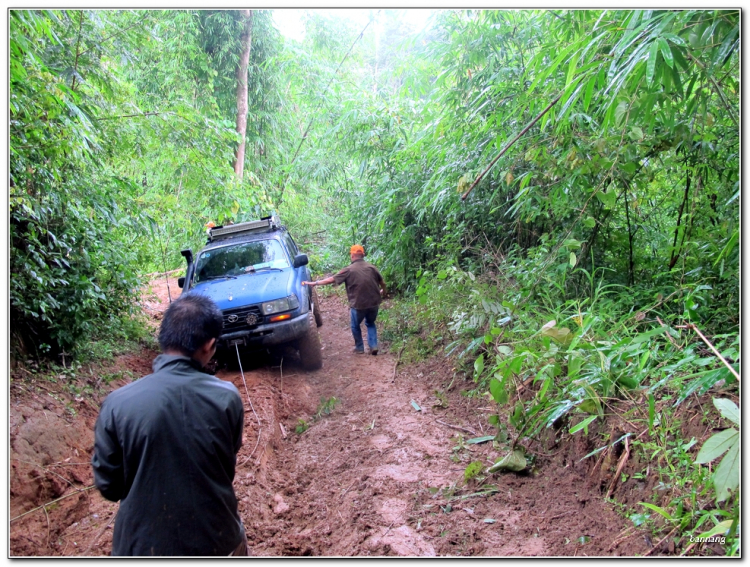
x=368 y=316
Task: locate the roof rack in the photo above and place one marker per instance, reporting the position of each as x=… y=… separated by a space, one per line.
x=265 y=224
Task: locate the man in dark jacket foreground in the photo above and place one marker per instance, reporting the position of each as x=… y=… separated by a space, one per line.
x=166 y=446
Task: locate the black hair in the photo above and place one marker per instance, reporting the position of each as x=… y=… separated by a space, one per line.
x=189 y=322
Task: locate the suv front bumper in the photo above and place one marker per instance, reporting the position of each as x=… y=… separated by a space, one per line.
x=269 y=334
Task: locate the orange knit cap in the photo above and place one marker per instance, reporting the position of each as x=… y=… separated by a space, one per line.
x=357 y=249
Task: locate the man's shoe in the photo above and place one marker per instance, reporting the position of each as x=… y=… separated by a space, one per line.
x=374 y=351
x=358 y=351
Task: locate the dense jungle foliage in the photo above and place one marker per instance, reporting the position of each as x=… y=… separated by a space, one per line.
x=597 y=260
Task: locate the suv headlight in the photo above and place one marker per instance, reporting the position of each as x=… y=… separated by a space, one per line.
x=278 y=305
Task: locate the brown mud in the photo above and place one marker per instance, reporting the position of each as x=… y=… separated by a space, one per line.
x=374 y=477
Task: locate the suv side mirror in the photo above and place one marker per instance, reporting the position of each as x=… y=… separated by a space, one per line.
x=300 y=260
x=181 y=282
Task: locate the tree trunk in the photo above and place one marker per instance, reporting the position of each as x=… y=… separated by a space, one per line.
x=675 y=251
x=631 y=269
x=246 y=40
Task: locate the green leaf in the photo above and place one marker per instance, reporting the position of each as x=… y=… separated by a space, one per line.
x=477 y=440
x=479 y=365
x=717 y=445
x=658 y=510
x=666 y=52
x=582 y=425
x=653 y=53
x=545 y=387
x=728 y=409
x=572 y=260
x=517 y=415
x=589 y=222
x=677 y=40
x=621 y=111
x=644 y=358
x=608 y=199
x=559 y=334
x=651 y=411
x=589 y=93
x=498 y=391
x=589 y=406
x=516 y=363
x=719 y=529
x=727 y=475
x=515 y=461
x=574 y=365
x=572 y=68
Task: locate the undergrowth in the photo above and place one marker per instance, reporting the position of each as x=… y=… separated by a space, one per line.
x=566 y=350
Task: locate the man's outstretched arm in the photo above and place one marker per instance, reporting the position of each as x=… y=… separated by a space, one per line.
x=325 y=281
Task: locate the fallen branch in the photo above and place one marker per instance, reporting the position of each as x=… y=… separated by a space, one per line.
x=712 y=347
x=689 y=547
x=620 y=466
x=46 y=515
x=43 y=506
x=45 y=470
x=508 y=146
x=622 y=536
x=671 y=340
x=599 y=462
x=660 y=542
x=104 y=529
x=456 y=427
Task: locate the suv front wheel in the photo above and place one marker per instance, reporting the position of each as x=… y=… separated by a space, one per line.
x=309 y=346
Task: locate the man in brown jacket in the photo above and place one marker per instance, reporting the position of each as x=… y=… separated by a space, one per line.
x=364 y=289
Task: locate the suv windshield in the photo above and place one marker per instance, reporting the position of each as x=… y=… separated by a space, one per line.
x=237 y=259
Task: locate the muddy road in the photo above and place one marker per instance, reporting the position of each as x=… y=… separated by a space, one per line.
x=336 y=462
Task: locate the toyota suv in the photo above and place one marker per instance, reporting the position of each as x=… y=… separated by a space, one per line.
x=254 y=272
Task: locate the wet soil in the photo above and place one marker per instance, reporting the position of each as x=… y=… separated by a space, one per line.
x=373 y=476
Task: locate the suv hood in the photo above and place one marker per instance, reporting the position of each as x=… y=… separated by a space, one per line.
x=247 y=289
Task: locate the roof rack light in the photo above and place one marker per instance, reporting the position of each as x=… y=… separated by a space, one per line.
x=263 y=225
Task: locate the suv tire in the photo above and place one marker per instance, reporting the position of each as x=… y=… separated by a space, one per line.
x=310 y=353
x=315 y=306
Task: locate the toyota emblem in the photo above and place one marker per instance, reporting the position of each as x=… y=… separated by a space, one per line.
x=232 y=318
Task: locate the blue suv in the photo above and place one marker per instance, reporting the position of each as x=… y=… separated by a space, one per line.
x=254 y=272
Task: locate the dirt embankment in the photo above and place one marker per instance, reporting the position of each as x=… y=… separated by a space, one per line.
x=374 y=477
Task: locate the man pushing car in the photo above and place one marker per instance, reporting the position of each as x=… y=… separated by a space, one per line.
x=365 y=289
